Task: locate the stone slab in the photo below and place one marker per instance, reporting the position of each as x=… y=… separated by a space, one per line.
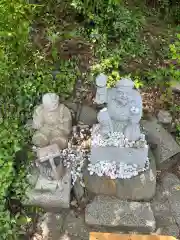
x=49 y=196
x=88 y=115
x=114 y=213
x=119 y=154
x=50 y=151
x=141 y=187
x=166 y=146
x=171 y=186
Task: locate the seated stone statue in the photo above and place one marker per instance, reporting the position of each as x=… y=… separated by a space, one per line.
x=52 y=121
x=117 y=137
x=124 y=106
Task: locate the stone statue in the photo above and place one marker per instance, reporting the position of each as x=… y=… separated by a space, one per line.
x=117 y=137
x=52 y=121
x=124 y=106
x=105 y=123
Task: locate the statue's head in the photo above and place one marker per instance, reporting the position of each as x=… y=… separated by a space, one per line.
x=50 y=101
x=123 y=90
x=101 y=80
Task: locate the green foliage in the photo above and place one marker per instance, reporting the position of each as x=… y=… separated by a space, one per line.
x=14 y=33
x=175 y=56
x=169 y=8
x=114 y=32
x=25 y=77
x=88 y=7
x=10 y=142
x=178 y=133
x=169 y=74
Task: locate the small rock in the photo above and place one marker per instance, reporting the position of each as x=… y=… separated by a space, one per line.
x=112 y=212
x=74 y=203
x=166 y=146
x=83 y=126
x=50 y=225
x=88 y=115
x=164 y=117
x=78 y=190
x=75 y=226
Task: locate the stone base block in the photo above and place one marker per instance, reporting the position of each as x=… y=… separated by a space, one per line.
x=122 y=215
x=129 y=155
x=165 y=147
x=51 y=194
x=120 y=153
x=141 y=187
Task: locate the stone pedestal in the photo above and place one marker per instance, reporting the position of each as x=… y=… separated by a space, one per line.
x=50 y=180
x=123 y=152
x=141 y=187
x=51 y=194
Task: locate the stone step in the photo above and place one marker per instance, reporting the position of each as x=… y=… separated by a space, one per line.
x=111 y=212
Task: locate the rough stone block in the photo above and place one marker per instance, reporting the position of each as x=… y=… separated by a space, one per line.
x=171 y=186
x=166 y=146
x=75 y=226
x=141 y=187
x=114 y=213
x=54 y=195
x=166 y=218
x=88 y=115
x=50 y=225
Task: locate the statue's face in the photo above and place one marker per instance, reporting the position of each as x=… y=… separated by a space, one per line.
x=50 y=101
x=122 y=97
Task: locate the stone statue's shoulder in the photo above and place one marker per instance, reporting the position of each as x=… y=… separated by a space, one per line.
x=64 y=111
x=136 y=96
x=111 y=93
x=38 y=110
